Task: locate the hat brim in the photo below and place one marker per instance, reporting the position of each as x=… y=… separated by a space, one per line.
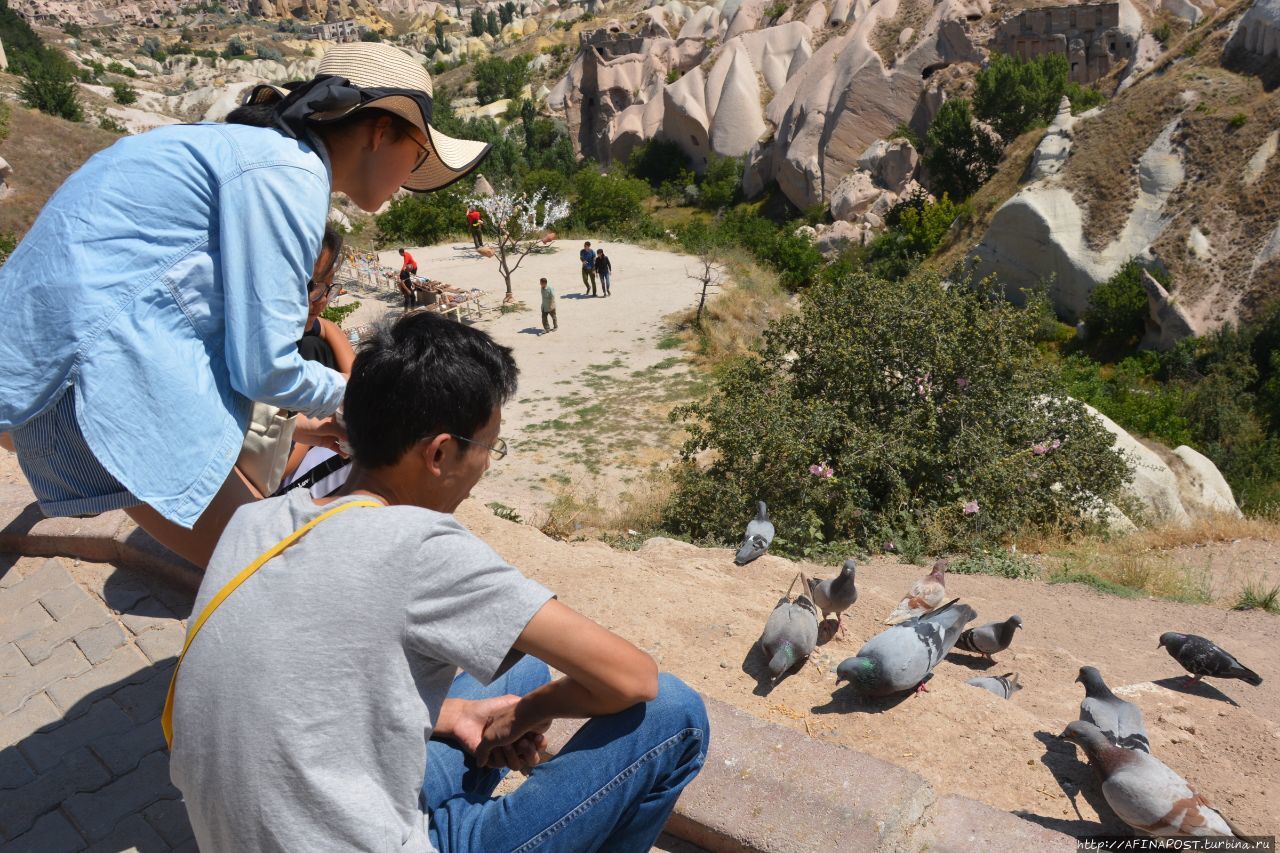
x=450 y=160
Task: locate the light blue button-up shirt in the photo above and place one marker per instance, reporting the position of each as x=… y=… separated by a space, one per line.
x=165 y=282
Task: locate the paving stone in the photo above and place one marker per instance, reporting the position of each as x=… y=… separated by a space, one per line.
x=12 y=661
x=11 y=570
x=14 y=769
x=23 y=621
x=169 y=818
x=124 y=750
x=51 y=575
x=131 y=833
x=144 y=700
x=757 y=772
x=62 y=602
x=52 y=833
x=120 y=589
x=35 y=714
x=65 y=664
x=98 y=643
x=20 y=807
x=97 y=813
x=38 y=645
x=163 y=643
x=147 y=615
x=125 y=665
x=84 y=538
x=45 y=748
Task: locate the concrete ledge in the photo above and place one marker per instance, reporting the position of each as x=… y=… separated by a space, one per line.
x=770 y=789
x=108 y=538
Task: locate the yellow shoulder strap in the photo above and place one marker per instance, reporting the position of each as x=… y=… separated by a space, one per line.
x=166 y=719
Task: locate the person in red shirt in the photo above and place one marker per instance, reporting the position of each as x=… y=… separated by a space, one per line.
x=407 y=269
x=476 y=226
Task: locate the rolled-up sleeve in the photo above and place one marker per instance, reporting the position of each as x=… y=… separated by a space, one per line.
x=271 y=220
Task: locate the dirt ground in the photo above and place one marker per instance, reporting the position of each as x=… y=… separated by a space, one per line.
x=700 y=615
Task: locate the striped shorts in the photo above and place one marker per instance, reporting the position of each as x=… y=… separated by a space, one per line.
x=68 y=480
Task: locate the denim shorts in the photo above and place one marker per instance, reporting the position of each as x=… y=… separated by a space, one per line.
x=68 y=480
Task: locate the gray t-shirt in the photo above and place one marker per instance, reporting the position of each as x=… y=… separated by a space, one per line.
x=304 y=706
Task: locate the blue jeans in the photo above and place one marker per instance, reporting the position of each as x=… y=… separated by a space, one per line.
x=604 y=281
x=612 y=787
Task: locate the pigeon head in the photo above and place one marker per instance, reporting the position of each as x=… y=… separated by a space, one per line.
x=849 y=567
x=1091 y=679
x=1172 y=640
x=1012 y=679
x=1086 y=735
x=861 y=672
x=1015 y=620
x=940 y=569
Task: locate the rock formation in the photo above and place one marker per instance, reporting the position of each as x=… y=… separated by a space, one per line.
x=1258 y=33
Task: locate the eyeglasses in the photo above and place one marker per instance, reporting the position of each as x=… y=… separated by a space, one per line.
x=498 y=449
x=319 y=295
x=426 y=153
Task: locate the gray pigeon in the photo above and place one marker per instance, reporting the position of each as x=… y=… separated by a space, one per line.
x=836 y=595
x=1119 y=720
x=988 y=639
x=790 y=634
x=1003 y=686
x=901 y=657
x=1144 y=792
x=1202 y=657
x=759 y=536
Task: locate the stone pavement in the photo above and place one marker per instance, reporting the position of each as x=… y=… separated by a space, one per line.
x=86 y=651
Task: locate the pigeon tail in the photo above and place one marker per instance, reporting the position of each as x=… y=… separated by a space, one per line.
x=1245 y=674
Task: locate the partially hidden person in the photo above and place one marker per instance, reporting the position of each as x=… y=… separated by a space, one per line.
x=476 y=226
x=161 y=291
x=408 y=269
x=604 y=269
x=318 y=709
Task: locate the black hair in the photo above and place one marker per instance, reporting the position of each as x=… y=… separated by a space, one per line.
x=264 y=115
x=423 y=376
x=254 y=115
x=331 y=243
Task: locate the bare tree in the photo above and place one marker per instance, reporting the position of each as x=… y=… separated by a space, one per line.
x=517 y=224
x=709 y=273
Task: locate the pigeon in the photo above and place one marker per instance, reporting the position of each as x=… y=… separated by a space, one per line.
x=1144 y=792
x=1003 y=686
x=790 y=634
x=925 y=595
x=758 y=538
x=901 y=657
x=986 y=640
x=836 y=595
x=1202 y=657
x=1119 y=720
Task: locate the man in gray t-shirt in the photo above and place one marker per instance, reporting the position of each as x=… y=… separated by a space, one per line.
x=314 y=698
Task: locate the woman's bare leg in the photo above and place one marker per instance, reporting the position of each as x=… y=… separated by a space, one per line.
x=196 y=544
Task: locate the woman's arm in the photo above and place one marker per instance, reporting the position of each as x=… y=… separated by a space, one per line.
x=343 y=355
x=604 y=674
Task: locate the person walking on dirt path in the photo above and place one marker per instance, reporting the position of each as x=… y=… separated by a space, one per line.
x=588 y=259
x=548 y=306
x=407 y=269
x=604 y=268
x=477 y=227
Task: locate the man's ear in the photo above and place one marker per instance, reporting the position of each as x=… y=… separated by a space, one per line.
x=435 y=453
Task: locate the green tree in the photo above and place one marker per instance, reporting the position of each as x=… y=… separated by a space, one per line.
x=423 y=219
x=500 y=78
x=959 y=155
x=505 y=13
x=658 y=161
x=1117 y=315
x=370 y=35
x=608 y=201
x=51 y=89
x=916 y=227
x=235 y=47
x=1014 y=95
x=721 y=183
x=477 y=22
x=124 y=93
x=921 y=399
x=491 y=24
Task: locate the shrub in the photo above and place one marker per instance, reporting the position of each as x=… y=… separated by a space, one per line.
x=51 y=89
x=424 y=219
x=1014 y=95
x=959 y=155
x=1116 y=318
x=124 y=93
x=927 y=404
x=265 y=51
x=500 y=78
x=1162 y=32
x=8 y=243
x=1238 y=120
x=1083 y=97
x=235 y=47
x=5 y=113
x=370 y=35
x=609 y=201
x=916 y=227
x=721 y=183
x=73 y=29
x=337 y=313
x=109 y=124
x=658 y=161
x=122 y=70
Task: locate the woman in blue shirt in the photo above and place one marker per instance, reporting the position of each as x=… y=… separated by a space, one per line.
x=162 y=291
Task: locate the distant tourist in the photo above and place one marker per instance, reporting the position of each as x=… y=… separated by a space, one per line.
x=477 y=227
x=548 y=306
x=408 y=268
x=323 y=709
x=604 y=267
x=322 y=340
x=588 y=259
x=162 y=290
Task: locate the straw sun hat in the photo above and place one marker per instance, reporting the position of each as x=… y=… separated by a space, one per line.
x=373 y=75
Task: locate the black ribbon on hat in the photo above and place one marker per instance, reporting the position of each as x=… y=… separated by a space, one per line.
x=330 y=93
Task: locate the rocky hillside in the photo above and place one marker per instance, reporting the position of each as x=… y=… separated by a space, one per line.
x=1176 y=167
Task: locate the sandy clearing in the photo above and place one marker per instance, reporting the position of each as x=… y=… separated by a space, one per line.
x=590 y=412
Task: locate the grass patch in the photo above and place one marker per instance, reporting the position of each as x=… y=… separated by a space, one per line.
x=1091 y=580
x=1255 y=596
x=501 y=510
x=1002 y=564
x=1117 y=571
